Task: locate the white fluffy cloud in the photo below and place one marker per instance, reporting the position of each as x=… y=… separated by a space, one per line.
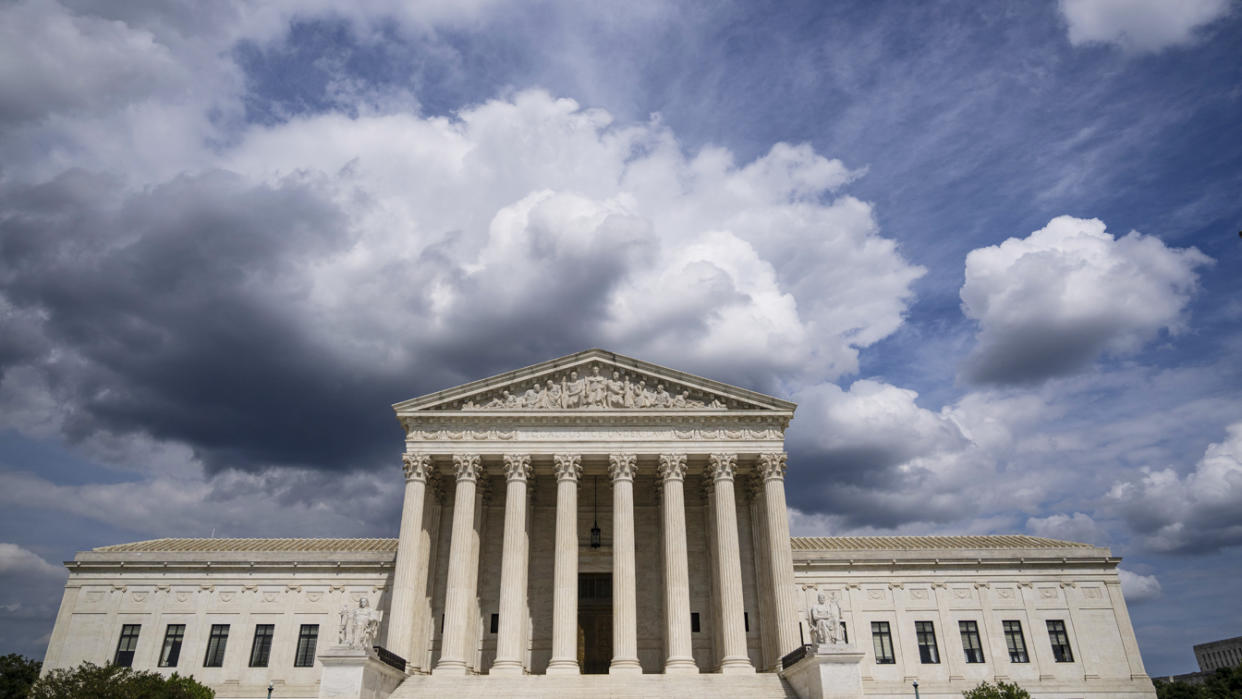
x=1139 y=588
x=15 y=560
x=1076 y=527
x=1196 y=512
x=1050 y=303
x=1139 y=25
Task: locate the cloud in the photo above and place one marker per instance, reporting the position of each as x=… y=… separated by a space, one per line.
x=17 y=561
x=1199 y=512
x=1077 y=527
x=1049 y=304
x=1139 y=25
x=1139 y=588
x=266 y=310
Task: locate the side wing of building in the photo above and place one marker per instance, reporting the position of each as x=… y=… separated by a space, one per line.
x=951 y=612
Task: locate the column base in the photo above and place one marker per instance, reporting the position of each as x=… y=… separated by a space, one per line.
x=451 y=668
x=563 y=667
x=625 y=666
x=506 y=668
x=680 y=666
x=736 y=666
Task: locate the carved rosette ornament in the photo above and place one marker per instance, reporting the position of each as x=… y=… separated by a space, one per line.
x=417 y=467
x=567 y=466
x=672 y=467
x=622 y=467
x=468 y=467
x=517 y=467
x=772 y=465
x=722 y=466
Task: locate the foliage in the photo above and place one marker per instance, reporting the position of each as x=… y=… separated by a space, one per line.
x=1225 y=683
x=112 y=682
x=17 y=673
x=1000 y=690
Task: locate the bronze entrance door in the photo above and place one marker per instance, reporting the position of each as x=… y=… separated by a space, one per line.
x=594 y=622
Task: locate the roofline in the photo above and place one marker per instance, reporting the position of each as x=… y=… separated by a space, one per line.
x=582 y=357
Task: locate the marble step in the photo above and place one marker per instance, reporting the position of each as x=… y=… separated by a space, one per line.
x=757 y=686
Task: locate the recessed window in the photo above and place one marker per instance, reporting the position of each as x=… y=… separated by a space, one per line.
x=216 y=643
x=694 y=622
x=1015 y=642
x=261 y=650
x=308 y=637
x=1060 y=641
x=971 y=645
x=925 y=632
x=845 y=633
x=746 y=621
x=125 y=646
x=172 y=645
x=882 y=641
x=495 y=625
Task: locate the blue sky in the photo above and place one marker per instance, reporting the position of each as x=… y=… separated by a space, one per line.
x=991 y=250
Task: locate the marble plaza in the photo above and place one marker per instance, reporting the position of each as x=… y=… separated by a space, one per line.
x=600 y=525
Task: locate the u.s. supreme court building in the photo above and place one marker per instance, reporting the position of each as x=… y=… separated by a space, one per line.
x=596 y=525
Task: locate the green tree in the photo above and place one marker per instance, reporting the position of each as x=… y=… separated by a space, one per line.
x=1000 y=690
x=112 y=682
x=17 y=673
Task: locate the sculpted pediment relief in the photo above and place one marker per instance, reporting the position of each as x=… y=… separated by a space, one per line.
x=593 y=380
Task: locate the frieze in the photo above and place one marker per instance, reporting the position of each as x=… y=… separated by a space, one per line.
x=520 y=435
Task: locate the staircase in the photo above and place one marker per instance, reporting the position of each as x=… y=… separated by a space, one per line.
x=764 y=685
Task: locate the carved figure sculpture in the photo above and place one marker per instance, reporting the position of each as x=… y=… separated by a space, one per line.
x=826 y=621
x=596 y=388
x=574 y=391
x=358 y=625
x=616 y=391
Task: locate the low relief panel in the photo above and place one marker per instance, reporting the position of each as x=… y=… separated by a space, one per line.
x=593 y=388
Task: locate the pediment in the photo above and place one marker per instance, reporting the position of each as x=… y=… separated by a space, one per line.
x=593 y=380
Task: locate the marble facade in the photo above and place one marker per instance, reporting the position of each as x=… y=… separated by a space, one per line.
x=497 y=584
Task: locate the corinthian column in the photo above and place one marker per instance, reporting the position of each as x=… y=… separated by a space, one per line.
x=401 y=625
x=468 y=468
x=780 y=558
x=513 y=568
x=676 y=568
x=729 y=559
x=565 y=576
x=622 y=467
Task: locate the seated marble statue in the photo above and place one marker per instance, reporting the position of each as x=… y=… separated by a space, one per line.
x=826 y=622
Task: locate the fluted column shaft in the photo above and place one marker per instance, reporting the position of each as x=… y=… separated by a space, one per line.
x=513 y=568
x=565 y=575
x=780 y=568
x=729 y=560
x=460 y=571
x=401 y=625
x=622 y=468
x=676 y=567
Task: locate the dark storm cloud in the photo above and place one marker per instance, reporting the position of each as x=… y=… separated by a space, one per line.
x=1037 y=352
x=167 y=320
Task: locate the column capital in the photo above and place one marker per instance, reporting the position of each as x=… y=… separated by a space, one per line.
x=772 y=465
x=568 y=467
x=468 y=467
x=517 y=467
x=417 y=467
x=672 y=467
x=622 y=467
x=722 y=466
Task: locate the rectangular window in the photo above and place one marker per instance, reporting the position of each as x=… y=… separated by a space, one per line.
x=970 y=641
x=882 y=640
x=1015 y=642
x=261 y=650
x=216 y=643
x=746 y=621
x=845 y=633
x=172 y=645
x=307 y=638
x=495 y=625
x=1060 y=641
x=925 y=632
x=125 y=647
x=694 y=622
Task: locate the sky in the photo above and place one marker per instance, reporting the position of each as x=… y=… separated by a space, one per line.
x=990 y=249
